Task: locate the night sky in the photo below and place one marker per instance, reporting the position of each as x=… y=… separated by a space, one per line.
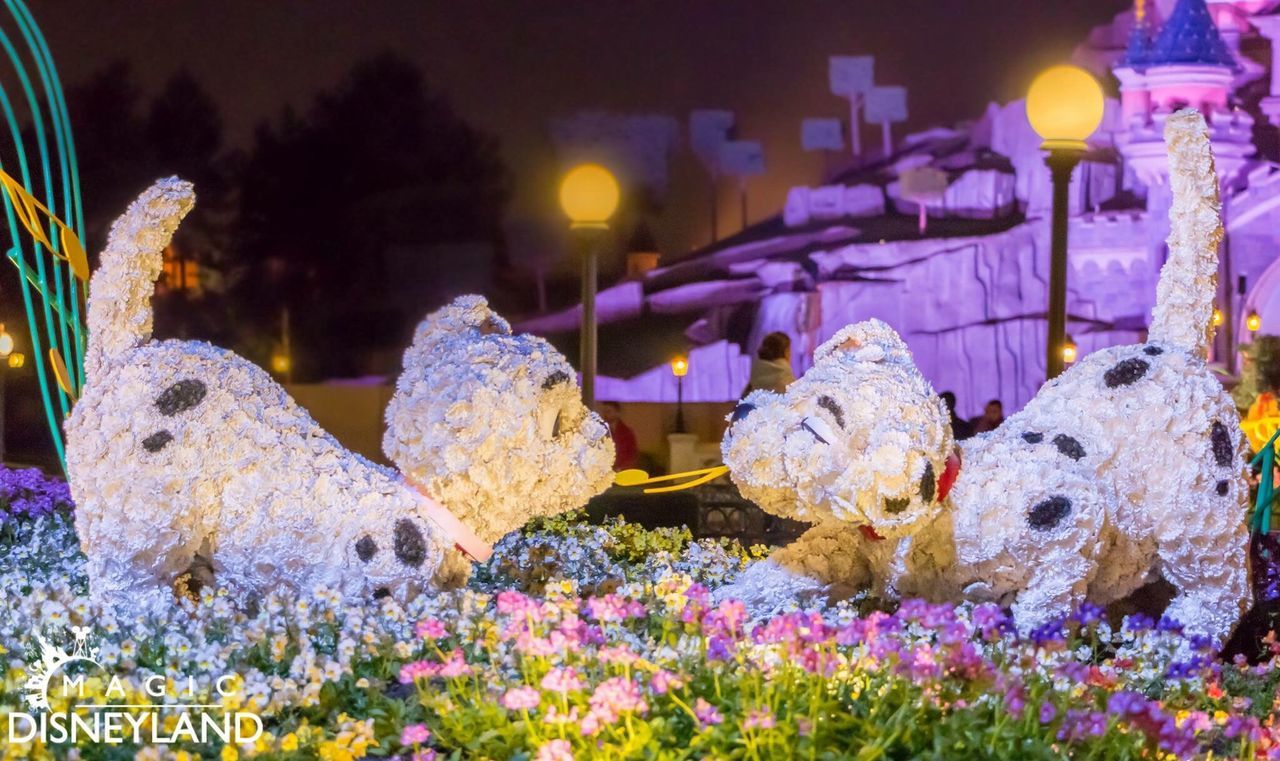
x=510 y=66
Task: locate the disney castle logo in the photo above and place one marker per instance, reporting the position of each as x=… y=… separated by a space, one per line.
x=105 y=721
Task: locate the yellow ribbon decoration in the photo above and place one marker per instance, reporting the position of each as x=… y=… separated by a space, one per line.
x=29 y=210
x=637 y=477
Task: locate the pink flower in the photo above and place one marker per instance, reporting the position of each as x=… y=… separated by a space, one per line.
x=521 y=699
x=619 y=654
x=707 y=713
x=556 y=750
x=562 y=680
x=553 y=716
x=533 y=645
x=512 y=603
x=664 y=681
x=609 y=607
x=455 y=666
x=761 y=718
x=616 y=695
x=425 y=755
x=415 y=734
x=411 y=672
x=432 y=628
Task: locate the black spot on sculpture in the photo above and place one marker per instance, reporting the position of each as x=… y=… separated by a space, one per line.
x=928 y=484
x=896 y=505
x=1125 y=372
x=555 y=379
x=741 y=411
x=180 y=397
x=1152 y=351
x=1223 y=488
x=1049 y=513
x=410 y=547
x=157 y=441
x=1069 y=446
x=1031 y=437
x=381 y=592
x=366 y=548
x=1223 y=448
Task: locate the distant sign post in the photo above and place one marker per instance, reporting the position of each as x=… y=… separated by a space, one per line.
x=923 y=185
x=742 y=159
x=884 y=106
x=708 y=130
x=852 y=77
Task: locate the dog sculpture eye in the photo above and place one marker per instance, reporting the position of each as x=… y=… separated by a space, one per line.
x=555 y=379
x=830 y=405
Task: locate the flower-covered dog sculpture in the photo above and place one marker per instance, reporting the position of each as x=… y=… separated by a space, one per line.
x=179 y=450
x=492 y=424
x=1128 y=464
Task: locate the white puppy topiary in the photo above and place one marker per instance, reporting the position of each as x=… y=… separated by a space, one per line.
x=1127 y=465
x=492 y=424
x=181 y=453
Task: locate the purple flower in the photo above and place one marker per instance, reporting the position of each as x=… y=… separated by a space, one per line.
x=29 y=493
x=1089 y=614
x=707 y=714
x=1047 y=712
x=1079 y=724
x=1138 y=623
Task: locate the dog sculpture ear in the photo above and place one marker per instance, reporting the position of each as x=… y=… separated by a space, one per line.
x=868 y=341
x=464 y=316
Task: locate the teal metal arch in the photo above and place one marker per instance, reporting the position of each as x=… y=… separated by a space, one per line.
x=44 y=215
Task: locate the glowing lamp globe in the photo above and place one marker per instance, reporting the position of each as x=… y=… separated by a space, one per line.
x=6 y=342
x=1217 y=316
x=1253 y=322
x=1064 y=106
x=280 y=363
x=17 y=360
x=589 y=195
x=679 y=367
x=1069 y=351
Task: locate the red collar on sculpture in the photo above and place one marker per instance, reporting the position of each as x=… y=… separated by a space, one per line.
x=464 y=539
x=949 y=475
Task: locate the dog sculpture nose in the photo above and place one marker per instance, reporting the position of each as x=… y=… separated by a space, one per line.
x=741 y=411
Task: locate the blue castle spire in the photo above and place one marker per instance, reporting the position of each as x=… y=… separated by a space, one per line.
x=1138 y=51
x=1190 y=36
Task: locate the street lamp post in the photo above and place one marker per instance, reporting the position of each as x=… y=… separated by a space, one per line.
x=680 y=368
x=1064 y=106
x=589 y=196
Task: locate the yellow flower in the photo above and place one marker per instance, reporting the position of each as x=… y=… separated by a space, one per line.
x=289 y=742
x=229 y=753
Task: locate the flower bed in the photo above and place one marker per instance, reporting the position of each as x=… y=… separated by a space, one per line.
x=582 y=641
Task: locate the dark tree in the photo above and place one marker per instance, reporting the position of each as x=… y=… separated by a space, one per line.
x=378 y=163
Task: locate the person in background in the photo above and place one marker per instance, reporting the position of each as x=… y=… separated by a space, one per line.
x=624 y=439
x=771 y=367
x=960 y=427
x=990 y=419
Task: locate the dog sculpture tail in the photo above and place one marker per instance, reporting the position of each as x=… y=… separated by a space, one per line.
x=119 y=314
x=1183 y=315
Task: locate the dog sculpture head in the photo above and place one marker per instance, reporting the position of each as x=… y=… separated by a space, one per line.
x=861 y=438
x=492 y=424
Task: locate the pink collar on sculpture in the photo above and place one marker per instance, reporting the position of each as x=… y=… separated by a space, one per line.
x=464 y=539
